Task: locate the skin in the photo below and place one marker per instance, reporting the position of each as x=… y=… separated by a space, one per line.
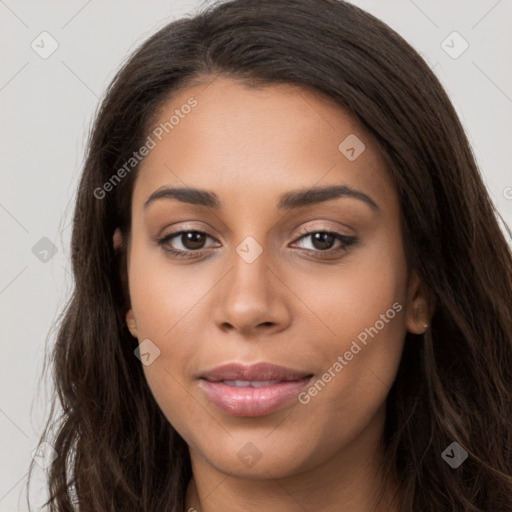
x=290 y=306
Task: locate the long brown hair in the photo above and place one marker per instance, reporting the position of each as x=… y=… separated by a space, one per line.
x=117 y=451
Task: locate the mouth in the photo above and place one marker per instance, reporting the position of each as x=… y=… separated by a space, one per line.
x=249 y=383
x=255 y=390
x=260 y=372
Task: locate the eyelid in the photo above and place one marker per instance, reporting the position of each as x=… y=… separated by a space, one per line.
x=318 y=229
x=186 y=228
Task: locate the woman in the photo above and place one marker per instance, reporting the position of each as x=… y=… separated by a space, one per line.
x=292 y=292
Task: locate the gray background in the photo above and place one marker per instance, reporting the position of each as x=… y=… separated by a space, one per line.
x=47 y=107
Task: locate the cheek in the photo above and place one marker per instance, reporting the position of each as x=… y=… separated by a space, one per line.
x=344 y=300
x=165 y=297
x=170 y=304
x=361 y=330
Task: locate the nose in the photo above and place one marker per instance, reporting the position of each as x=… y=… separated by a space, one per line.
x=253 y=299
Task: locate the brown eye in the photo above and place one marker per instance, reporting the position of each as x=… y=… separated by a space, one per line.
x=325 y=242
x=184 y=243
x=193 y=240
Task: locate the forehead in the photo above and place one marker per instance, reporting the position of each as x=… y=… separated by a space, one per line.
x=251 y=144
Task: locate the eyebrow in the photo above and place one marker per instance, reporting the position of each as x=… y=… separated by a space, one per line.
x=287 y=201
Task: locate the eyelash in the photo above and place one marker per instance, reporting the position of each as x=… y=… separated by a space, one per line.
x=345 y=240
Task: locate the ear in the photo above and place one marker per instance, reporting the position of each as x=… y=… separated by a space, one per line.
x=418 y=314
x=117 y=239
x=131 y=323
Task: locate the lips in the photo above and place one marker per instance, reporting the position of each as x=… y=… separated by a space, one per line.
x=255 y=390
x=259 y=372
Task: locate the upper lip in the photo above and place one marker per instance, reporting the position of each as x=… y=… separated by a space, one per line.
x=253 y=372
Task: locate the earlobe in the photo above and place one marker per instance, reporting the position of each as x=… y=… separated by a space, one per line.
x=131 y=323
x=418 y=313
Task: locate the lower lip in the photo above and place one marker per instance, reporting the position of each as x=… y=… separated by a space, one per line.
x=249 y=401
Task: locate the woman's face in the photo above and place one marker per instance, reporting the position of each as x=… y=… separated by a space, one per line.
x=329 y=310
